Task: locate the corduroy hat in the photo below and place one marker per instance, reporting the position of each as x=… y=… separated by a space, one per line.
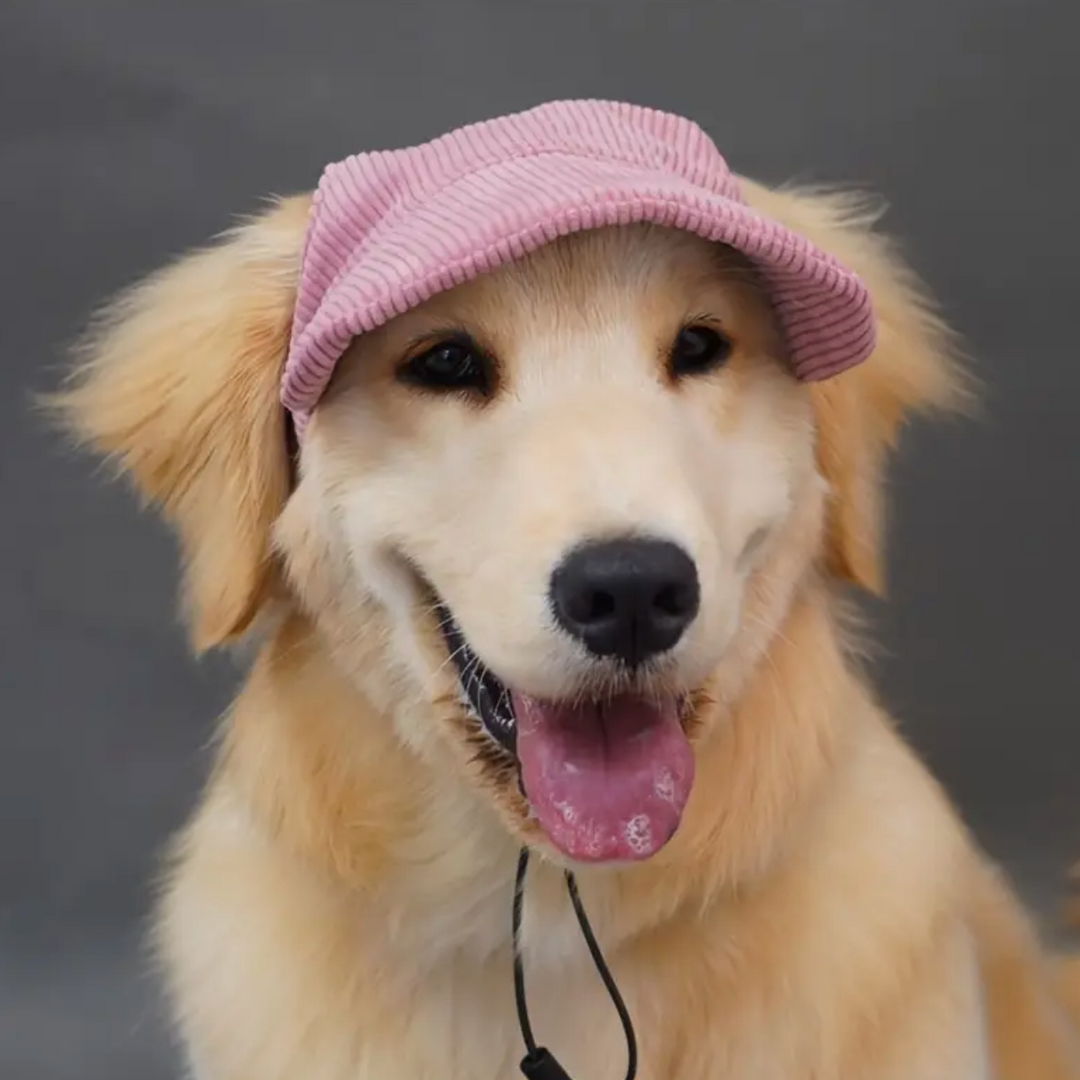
x=389 y=229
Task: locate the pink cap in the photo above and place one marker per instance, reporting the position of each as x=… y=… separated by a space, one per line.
x=390 y=229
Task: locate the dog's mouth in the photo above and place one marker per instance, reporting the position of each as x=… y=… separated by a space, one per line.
x=487 y=698
x=606 y=779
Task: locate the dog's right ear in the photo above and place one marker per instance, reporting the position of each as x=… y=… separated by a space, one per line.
x=178 y=384
x=914 y=368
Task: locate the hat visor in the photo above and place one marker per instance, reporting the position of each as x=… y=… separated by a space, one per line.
x=503 y=212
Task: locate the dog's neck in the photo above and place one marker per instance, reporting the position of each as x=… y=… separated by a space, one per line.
x=319 y=767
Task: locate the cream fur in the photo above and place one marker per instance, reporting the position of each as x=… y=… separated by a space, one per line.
x=338 y=908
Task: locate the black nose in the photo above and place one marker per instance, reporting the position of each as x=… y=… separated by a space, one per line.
x=627 y=598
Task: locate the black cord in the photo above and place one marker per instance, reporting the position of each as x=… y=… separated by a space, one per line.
x=605 y=974
x=538 y=1063
x=519 y=967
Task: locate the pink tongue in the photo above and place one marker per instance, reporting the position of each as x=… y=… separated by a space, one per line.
x=606 y=781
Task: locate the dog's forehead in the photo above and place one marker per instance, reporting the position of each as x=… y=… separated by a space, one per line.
x=586 y=283
x=596 y=304
x=611 y=263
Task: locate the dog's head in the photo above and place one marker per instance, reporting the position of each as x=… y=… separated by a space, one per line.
x=573 y=498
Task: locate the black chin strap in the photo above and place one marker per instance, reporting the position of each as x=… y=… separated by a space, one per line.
x=539 y=1063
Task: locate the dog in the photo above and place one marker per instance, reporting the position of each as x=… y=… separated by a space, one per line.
x=435 y=573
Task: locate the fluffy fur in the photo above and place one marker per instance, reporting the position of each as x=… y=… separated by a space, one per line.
x=338 y=908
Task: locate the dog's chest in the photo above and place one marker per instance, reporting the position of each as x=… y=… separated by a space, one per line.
x=463 y=1024
x=456 y=1017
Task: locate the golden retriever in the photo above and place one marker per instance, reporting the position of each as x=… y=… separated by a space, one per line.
x=339 y=907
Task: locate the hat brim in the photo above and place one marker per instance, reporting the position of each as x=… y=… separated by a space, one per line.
x=502 y=212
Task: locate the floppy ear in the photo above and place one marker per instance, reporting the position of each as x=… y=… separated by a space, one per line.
x=178 y=384
x=860 y=412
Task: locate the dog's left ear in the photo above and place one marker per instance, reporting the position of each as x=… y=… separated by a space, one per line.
x=860 y=413
x=179 y=386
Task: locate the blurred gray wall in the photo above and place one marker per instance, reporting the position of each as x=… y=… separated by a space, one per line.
x=131 y=129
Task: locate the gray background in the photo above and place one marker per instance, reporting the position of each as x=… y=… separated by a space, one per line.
x=130 y=129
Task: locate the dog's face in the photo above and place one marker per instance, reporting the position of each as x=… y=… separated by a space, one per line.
x=549 y=519
x=559 y=480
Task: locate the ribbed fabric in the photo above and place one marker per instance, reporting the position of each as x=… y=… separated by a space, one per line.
x=390 y=229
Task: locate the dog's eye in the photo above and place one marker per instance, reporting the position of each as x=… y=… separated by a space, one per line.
x=455 y=363
x=698 y=349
